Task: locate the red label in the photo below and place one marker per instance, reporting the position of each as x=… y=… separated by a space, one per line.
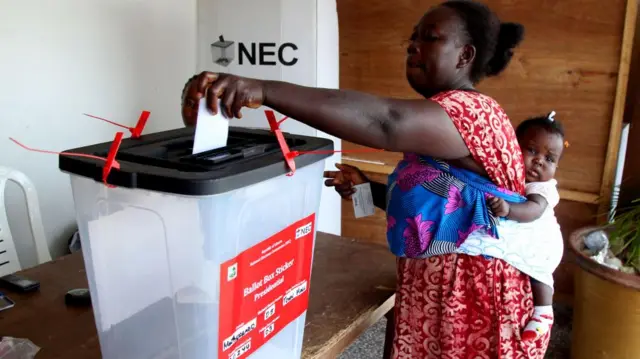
x=265 y=288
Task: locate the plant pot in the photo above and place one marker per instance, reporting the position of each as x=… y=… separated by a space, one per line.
x=606 y=314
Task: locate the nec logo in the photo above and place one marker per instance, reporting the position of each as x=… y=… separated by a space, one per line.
x=254 y=53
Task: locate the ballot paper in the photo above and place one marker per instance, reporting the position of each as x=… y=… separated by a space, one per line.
x=212 y=130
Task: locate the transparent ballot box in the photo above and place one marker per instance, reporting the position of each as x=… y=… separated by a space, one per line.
x=199 y=256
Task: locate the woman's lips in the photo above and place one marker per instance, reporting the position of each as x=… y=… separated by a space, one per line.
x=414 y=64
x=413 y=60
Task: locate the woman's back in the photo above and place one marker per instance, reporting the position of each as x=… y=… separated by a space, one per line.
x=489 y=135
x=432 y=206
x=451 y=305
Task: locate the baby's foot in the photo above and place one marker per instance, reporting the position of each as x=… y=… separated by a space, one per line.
x=540 y=323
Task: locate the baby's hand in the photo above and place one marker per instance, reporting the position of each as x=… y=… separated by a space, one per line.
x=499 y=206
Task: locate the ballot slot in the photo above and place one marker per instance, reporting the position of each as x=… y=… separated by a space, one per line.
x=177 y=153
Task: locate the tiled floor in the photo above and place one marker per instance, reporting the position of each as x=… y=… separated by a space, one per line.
x=369 y=345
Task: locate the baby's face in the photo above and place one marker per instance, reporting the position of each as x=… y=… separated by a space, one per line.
x=542 y=151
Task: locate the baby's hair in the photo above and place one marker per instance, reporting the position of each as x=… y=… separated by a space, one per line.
x=547 y=123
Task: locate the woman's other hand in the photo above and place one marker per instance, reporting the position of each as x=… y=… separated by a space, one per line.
x=233 y=91
x=344 y=179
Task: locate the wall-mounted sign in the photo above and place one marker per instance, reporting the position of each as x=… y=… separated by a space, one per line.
x=253 y=53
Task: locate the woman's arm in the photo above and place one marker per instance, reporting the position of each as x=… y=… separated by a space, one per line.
x=379 y=193
x=346 y=177
x=419 y=126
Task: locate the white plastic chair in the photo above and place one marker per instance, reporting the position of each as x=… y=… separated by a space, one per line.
x=9 y=262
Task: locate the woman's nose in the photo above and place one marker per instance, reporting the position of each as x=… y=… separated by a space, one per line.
x=412 y=48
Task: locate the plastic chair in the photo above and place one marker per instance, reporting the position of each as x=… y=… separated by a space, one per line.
x=9 y=262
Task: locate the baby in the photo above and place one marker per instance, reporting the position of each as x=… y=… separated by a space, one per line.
x=542 y=143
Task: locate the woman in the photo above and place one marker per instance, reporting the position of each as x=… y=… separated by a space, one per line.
x=448 y=305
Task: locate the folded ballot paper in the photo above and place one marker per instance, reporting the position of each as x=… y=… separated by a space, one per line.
x=212 y=130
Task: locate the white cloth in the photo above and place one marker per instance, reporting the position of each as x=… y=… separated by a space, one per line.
x=534 y=248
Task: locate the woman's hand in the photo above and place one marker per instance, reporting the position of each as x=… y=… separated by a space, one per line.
x=344 y=179
x=234 y=93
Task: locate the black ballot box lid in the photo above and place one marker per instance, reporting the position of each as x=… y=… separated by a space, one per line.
x=164 y=161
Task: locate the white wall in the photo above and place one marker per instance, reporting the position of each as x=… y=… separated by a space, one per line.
x=61 y=58
x=312 y=25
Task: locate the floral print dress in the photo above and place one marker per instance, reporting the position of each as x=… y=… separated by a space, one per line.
x=450 y=305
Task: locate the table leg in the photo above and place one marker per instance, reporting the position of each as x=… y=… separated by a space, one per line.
x=388 y=338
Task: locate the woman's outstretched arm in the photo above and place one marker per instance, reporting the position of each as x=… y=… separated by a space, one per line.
x=396 y=125
x=419 y=126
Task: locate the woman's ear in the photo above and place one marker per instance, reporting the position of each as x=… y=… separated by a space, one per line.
x=467 y=55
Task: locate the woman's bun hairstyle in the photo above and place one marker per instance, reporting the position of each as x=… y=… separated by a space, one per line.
x=509 y=37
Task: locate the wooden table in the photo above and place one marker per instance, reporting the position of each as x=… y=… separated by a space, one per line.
x=352 y=287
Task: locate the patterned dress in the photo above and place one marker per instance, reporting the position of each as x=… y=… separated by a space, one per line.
x=433 y=207
x=456 y=306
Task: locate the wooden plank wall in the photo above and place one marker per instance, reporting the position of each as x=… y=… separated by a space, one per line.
x=567 y=63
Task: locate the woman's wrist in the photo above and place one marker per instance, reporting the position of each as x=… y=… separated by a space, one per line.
x=363 y=176
x=379 y=194
x=267 y=95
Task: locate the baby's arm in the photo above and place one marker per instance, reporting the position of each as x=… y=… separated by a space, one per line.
x=528 y=211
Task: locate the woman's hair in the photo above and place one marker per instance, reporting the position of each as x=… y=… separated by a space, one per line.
x=547 y=123
x=494 y=41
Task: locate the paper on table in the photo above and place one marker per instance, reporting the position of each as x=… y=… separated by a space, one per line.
x=212 y=130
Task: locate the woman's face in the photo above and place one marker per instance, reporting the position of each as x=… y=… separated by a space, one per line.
x=437 y=58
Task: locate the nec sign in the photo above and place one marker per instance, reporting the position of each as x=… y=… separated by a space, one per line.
x=267 y=53
x=253 y=53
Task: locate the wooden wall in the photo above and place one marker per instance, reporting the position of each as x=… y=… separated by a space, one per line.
x=568 y=62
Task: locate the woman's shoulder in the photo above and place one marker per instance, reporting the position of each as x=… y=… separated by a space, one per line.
x=488 y=134
x=475 y=109
x=470 y=100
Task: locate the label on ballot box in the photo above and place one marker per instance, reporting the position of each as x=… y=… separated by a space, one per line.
x=265 y=288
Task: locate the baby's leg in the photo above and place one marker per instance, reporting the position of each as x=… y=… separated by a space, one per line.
x=542 y=293
x=542 y=319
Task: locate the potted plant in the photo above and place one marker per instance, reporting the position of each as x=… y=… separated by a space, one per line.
x=606 y=322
